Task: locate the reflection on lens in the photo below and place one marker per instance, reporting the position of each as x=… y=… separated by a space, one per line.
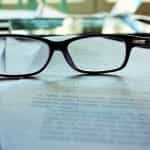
x=20 y=55
x=97 y=53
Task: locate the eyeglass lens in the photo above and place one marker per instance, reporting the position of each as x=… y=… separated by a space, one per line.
x=97 y=53
x=19 y=55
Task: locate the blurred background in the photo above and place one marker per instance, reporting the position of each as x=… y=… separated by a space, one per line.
x=72 y=6
x=74 y=16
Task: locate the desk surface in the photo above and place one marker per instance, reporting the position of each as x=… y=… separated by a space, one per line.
x=63 y=110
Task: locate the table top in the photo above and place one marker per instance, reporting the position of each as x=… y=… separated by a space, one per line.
x=65 y=110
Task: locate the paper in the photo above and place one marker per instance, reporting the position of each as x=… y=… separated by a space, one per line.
x=63 y=110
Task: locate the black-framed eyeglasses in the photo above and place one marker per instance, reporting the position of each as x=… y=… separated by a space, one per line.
x=23 y=56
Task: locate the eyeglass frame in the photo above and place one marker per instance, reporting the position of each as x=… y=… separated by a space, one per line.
x=130 y=40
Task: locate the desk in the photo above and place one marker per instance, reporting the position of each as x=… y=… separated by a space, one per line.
x=63 y=110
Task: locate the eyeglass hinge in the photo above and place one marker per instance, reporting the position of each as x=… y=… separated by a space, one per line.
x=140 y=42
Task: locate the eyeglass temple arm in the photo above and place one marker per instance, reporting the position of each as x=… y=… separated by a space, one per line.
x=138 y=40
x=141 y=40
x=143 y=43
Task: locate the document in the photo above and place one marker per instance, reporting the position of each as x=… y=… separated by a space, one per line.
x=70 y=111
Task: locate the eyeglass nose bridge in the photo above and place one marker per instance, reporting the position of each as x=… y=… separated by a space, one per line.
x=61 y=46
x=58 y=46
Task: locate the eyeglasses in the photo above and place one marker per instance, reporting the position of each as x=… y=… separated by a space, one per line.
x=23 y=56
